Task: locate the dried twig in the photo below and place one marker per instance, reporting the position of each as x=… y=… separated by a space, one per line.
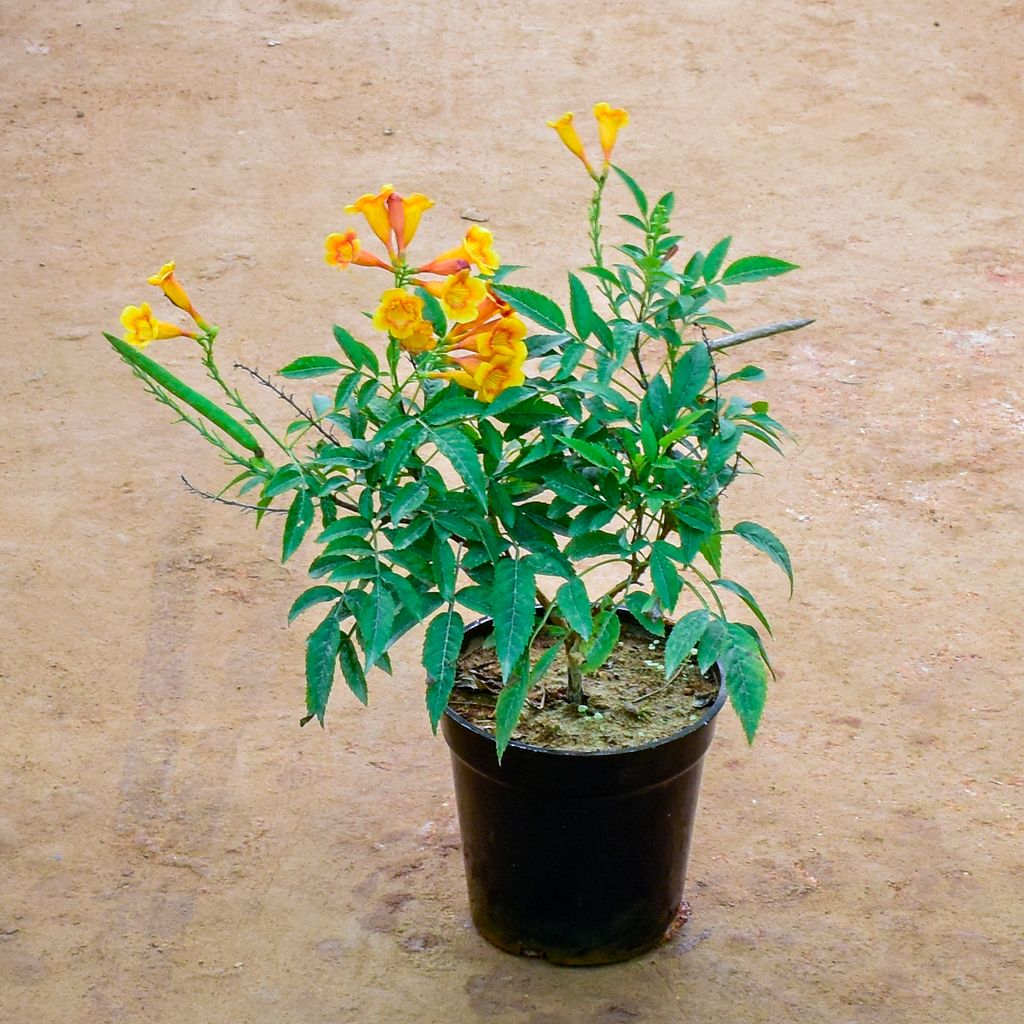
x=756 y=332
x=281 y=393
x=225 y=501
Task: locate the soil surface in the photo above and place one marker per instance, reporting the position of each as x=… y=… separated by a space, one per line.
x=627 y=701
x=172 y=846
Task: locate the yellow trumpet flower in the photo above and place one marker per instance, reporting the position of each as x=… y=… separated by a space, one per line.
x=172 y=288
x=141 y=327
x=609 y=121
x=460 y=296
x=567 y=133
x=399 y=314
x=375 y=209
x=421 y=340
x=405 y=213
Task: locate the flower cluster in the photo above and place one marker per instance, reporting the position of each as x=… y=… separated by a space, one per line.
x=477 y=340
x=141 y=327
x=609 y=120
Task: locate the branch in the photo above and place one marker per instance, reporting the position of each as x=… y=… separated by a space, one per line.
x=757 y=332
x=233 y=504
x=280 y=392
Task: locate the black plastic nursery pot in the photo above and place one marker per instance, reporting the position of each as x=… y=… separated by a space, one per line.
x=579 y=858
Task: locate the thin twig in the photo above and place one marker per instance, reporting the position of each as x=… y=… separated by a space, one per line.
x=757 y=332
x=281 y=393
x=661 y=689
x=226 y=501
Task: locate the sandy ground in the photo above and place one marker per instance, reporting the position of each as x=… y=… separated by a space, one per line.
x=172 y=846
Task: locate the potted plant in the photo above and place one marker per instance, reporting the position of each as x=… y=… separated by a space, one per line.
x=557 y=478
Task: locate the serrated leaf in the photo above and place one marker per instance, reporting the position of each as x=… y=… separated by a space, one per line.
x=602 y=643
x=711 y=645
x=594 y=454
x=408 y=499
x=321 y=652
x=746 y=597
x=711 y=549
x=593 y=545
x=375 y=618
x=296 y=523
x=513 y=600
x=310 y=597
x=664 y=575
x=573 y=487
x=534 y=306
x=574 y=604
x=441 y=646
x=764 y=540
x=310 y=366
x=358 y=353
x=755 y=268
x=581 y=307
x=715 y=258
x=351 y=669
x=641 y=606
x=690 y=375
x=476 y=598
x=746 y=679
x=508 y=709
x=638 y=193
x=459 y=451
x=684 y=637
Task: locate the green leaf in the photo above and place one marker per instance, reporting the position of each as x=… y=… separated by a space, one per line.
x=593 y=545
x=358 y=353
x=534 y=306
x=311 y=366
x=711 y=549
x=746 y=678
x=634 y=188
x=640 y=606
x=441 y=647
x=664 y=575
x=755 y=268
x=602 y=643
x=453 y=408
x=476 y=598
x=543 y=664
x=602 y=274
x=714 y=259
x=408 y=499
x=683 y=638
x=444 y=568
x=573 y=487
x=351 y=669
x=509 y=708
x=690 y=375
x=321 y=652
x=459 y=451
x=344 y=527
x=712 y=643
x=376 y=617
x=595 y=454
x=296 y=523
x=746 y=597
x=574 y=604
x=513 y=600
x=433 y=313
x=764 y=540
x=310 y=597
x=746 y=373
x=580 y=306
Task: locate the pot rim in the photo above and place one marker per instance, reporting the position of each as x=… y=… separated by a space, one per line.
x=701 y=723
